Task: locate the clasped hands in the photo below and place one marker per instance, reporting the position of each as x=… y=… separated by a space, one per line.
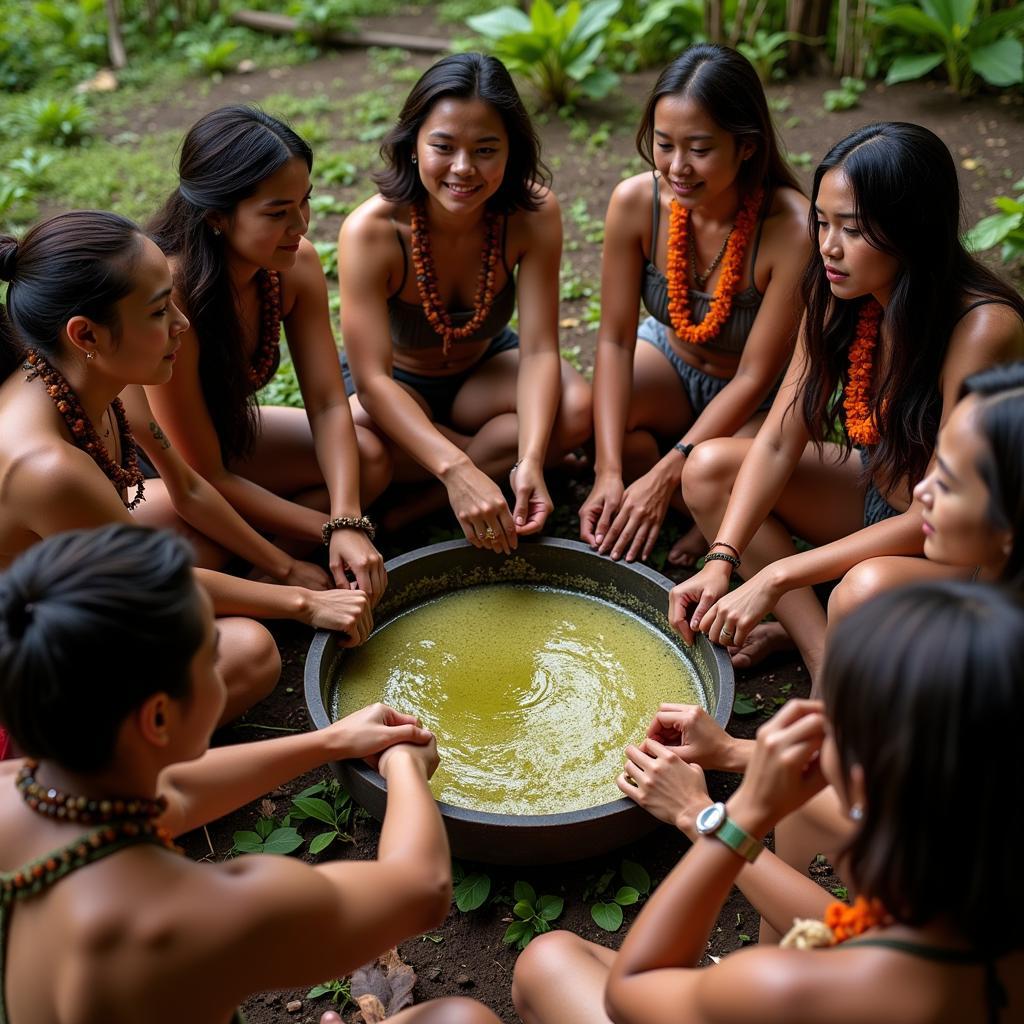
x=664 y=774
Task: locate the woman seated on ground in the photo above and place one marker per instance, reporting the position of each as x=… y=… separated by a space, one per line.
x=933 y=934
x=234 y=233
x=898 y=314
x=102 y=920
x=429 y=270
x=88 y=315
x=973 y=512
x=720 y=198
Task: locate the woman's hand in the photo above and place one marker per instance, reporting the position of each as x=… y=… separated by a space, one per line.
x=342 y=611
x=699 y=592
x=663 y=784
x=423 y=755
x=641 y=512
x=307 y=575
x=731 y=618
x=480 y=508
x=597 y=512
x=785 y=769
x=367 y=732
x=353 y=551
x=696 y=737
x=533 y=502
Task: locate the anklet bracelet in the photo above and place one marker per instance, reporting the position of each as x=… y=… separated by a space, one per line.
x=364 y=523
x=721 y=556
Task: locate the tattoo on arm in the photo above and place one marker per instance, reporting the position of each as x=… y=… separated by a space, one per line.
x=159 y=435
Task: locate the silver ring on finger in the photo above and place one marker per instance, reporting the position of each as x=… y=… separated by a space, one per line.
x=727 y=634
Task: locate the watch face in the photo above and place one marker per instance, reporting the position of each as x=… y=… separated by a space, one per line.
x=710 y=819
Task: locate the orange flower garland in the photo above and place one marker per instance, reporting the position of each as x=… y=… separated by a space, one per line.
x=728 y=281
x=426 y=279
x=846 y=921
x=861 y=425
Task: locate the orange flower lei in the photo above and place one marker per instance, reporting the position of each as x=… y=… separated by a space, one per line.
x=426 y=278
x=728 y=281
x=846 y=921
x=861 y=425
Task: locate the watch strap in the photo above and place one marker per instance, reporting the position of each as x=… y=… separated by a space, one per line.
x=739 y=840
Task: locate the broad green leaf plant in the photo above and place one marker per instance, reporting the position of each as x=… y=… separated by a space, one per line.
x=1005 y=226
x=557 y=51
x=954 y=34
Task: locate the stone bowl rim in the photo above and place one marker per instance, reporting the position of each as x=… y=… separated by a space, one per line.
x=321 y=719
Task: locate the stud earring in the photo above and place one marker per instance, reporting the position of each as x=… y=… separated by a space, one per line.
x=216 y=232
x=415 y=159
x=90 y=355
x=856 y=813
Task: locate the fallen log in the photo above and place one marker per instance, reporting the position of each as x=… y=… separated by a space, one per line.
x=281 y=24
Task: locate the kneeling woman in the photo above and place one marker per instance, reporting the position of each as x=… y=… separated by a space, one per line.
x=108 y=681
x=932 y=936
x=234 y=233
x=89 y=315
x=429 y=272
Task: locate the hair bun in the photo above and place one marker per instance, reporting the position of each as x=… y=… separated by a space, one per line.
x=8 y=257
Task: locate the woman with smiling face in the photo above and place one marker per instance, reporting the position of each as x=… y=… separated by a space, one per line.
x=430 y=270
x=234 y=231
x=898 y=315
x=713 y=241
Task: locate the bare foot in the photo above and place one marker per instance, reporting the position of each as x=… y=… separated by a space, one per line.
x=688 y=548
x=765 y=639
x=330 y=1017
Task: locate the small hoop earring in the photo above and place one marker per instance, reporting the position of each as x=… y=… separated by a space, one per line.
x=415 y=159
x=856 y=813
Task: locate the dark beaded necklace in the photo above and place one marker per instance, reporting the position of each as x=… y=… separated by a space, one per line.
x=52 y=803
x=83 y=433
x=426 y=278
x=265 y=358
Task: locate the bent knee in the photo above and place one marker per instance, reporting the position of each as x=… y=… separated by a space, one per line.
x=710 y=470
x=460 y=1010
x=861 y=583
x=542 y=963
x=574 y=424
x=252 y=666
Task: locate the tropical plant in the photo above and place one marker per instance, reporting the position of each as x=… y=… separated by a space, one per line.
x=1005 y=227
x=212 y=56
x=650 y=34
x=328 y=804
x=339 y=990
x=55 y=121
x=270 y=836
x=846 y=97
x=765 y=50
x=607 y=914
x=953 y=33
x=533 y=915
x=471 y=890
x=558 y=52
x=11 y=192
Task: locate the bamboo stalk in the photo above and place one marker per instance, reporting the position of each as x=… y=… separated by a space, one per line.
x=737 y=22
x=115 y=42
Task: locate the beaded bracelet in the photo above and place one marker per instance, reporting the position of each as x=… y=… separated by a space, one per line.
x=723 y=544
x=364 y=523
x=721 y=556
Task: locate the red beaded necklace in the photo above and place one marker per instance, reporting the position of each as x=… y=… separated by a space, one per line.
x=265 y=358
x=426 y=278
x=83 y=433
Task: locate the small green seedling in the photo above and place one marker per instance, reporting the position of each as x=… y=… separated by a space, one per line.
x=339 y=990
x=607 y=914
x=471 y=891
x=846 y=97
x=271 y=836
x=329 y=804
x=533 y=915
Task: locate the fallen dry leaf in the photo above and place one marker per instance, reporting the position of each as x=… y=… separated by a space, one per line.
x=383 y=987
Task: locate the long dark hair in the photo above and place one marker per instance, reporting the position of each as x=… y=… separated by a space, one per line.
x=999 y=417
x=726 y=85
x=908 y=206
x=923 y=691
x=92 y=623
x=75 y=264
x=224 y=158
x=466 y=76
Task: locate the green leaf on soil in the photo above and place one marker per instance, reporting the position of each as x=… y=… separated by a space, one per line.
x=636 y=875
x=314 y=807
x=282 y=840
x=471 y=892
x=524 y=891
x=549 y=908
x=523 y=910
x=607 y=916
x=744 y=706
x=320 y=843
x=627 y=896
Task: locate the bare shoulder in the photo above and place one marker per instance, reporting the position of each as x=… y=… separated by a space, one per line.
x=370 y=222
x=992 y=329
x=787 y=218
x=46 y=469
x=632 y=197
x=537 y=224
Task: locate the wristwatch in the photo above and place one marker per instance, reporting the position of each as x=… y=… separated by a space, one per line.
x=714 y=821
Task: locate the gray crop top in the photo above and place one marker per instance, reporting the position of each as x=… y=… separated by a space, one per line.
x=410 y=328
x=745 y=304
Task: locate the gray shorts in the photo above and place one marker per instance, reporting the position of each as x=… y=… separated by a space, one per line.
x=700 y=387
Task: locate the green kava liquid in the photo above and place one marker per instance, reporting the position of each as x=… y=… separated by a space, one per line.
x=533 y=693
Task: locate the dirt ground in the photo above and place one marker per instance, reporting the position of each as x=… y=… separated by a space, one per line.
x=588 y=154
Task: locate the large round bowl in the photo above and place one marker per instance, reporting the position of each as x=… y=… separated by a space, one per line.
x=441 y=568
